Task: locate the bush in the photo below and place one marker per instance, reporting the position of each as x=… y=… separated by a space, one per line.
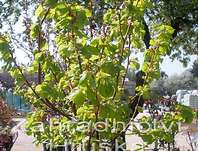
x=5 y=114
x=5 y=123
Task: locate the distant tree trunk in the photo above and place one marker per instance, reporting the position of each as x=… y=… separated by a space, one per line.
x=139 y=100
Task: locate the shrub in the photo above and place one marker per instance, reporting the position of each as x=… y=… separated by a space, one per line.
x=5 y=113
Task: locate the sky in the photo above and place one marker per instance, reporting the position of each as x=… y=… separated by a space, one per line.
x=176 y=67
x=171 y=67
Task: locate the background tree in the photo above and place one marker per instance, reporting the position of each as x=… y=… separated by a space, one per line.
x=195 y=68
x=170 y=85
x=6 y=80
x=182 y=16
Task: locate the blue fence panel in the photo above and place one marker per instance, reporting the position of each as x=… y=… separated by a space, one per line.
x=17 y=103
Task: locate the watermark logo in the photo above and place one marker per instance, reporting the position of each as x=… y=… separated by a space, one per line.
x=105 y=126
x=102 y=127
x=95 y=146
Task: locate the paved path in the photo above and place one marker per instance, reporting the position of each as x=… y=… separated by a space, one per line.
x=24 y=142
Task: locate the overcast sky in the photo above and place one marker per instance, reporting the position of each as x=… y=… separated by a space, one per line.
x=175 y=67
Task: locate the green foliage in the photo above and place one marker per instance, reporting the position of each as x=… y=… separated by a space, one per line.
x=39 y=12
x=195 y=68
x=186 y=113
x=182 y=16
x=34 y=31
x=106 y=85
x=164 y=129
x=5 y=52
x=134 y=64
x=77 y=97
x=80 y=70
x=196 y=114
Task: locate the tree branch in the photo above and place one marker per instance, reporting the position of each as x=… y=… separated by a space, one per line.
x=45 y=101
x=39 y=45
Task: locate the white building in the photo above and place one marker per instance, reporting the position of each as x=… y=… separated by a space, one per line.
x=188 y=97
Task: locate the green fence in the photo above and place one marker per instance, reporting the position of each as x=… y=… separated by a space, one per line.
x=17 y=103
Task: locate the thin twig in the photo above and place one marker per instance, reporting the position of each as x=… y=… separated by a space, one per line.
x=128 y=62
x=45 y=101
